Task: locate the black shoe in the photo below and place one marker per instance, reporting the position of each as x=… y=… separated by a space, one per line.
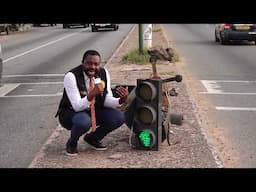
x=95 y=144
x=70 y=150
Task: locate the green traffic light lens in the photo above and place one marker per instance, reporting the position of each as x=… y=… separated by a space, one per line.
x=145 y=138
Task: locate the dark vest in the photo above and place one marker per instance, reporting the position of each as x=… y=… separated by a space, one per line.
x=78 y=72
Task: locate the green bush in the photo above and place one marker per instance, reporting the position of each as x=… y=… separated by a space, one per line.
x=136 y=58
x=157 y=30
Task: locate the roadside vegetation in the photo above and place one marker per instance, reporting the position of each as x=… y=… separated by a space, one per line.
x=135 y=57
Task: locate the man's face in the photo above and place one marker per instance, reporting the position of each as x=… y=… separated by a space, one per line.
x=91 y=65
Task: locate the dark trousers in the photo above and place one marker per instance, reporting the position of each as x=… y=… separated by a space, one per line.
x=108 y=119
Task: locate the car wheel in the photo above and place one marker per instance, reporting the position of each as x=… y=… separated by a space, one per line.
x=115 y=27
x=216 y=38
x=7 y=30
x=93 y=29
x=223 y=41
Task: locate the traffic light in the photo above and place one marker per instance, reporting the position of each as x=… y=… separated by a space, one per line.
x=147 y=123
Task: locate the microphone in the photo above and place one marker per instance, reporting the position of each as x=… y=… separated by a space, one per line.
x=98 y=80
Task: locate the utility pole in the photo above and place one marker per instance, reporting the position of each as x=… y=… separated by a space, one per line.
x=140 y=38
x=147 y=36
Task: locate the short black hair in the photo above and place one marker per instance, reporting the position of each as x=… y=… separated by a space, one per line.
x=90 y=52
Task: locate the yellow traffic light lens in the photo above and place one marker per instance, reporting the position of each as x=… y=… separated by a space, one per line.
x=147 y=91
x=146 y=115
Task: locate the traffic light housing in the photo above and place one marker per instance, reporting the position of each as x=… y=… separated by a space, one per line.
x=147 y=123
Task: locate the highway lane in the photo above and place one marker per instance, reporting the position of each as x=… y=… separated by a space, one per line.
x=228 y=74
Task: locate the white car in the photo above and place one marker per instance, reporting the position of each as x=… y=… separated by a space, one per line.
x=70 y=25
x=97 y=26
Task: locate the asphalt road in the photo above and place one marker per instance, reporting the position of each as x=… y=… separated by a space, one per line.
x=228 y=73
x=33 y=66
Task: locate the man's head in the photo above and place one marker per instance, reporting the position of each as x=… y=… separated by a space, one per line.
x=91 y=62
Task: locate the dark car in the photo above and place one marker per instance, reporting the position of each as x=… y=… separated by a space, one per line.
x=7 y=28
x=70 y=25
x=224 y=33
x=97 y=26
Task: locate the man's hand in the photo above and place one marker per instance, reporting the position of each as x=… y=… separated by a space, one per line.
x=122 y=93
x=98 y=89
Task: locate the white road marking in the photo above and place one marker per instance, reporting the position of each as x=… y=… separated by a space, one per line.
x=227 y=81
x=227 y=93
x=6 y=88
x=213 y=88
x=42 y=83
x=42 y=95
x=41 y=46
x=236 y=108
x=34 y=75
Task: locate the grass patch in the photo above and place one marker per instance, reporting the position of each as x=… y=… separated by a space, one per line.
x=167 y=73
x=176 y=56
x=136 y=58
x=157 y=30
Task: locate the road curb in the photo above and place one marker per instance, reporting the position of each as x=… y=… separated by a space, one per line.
x=120 y=45
x=56 y=133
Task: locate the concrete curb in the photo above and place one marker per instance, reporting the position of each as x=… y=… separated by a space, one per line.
x=121 y=44
x=41 y=154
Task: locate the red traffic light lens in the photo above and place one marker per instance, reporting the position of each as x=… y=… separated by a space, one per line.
x=147 y=91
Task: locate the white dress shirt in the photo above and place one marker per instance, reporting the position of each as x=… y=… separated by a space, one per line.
x=78 y=103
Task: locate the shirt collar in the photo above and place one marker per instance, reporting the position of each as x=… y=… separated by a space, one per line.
x=85 y=76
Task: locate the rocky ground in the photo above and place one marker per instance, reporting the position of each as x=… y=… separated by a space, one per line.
x=189 y=147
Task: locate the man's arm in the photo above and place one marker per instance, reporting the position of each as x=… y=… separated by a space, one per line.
x=73 y=94
x=110 y=100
